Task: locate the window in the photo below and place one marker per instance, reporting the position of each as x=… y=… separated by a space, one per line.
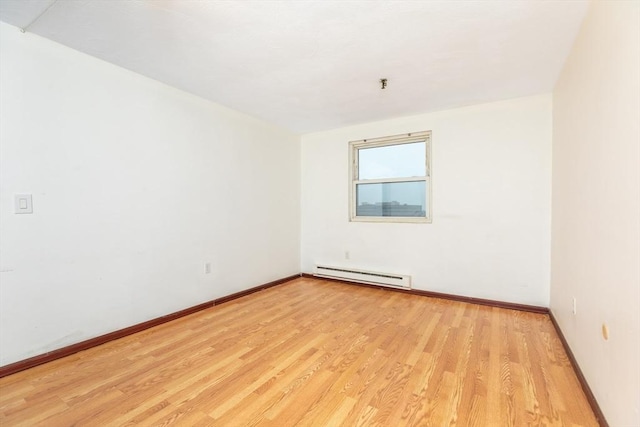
x=390 y=178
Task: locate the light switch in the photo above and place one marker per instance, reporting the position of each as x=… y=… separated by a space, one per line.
x=23 y=204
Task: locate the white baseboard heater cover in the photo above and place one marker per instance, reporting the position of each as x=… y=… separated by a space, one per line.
x=363 y=276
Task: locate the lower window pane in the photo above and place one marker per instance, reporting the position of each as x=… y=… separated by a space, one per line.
x=399 y=199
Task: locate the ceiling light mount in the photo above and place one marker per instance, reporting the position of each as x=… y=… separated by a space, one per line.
x=383 y=83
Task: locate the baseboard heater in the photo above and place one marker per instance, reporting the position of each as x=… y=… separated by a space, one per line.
x=362 y=276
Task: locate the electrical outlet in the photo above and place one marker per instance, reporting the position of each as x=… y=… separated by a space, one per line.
x=605 y=331
x=574 y=310
x=207 y=268
x=347 y=255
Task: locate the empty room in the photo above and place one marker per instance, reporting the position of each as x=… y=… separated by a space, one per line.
x=320 y=213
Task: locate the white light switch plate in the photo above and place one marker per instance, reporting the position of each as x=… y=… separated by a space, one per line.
x=23 y=204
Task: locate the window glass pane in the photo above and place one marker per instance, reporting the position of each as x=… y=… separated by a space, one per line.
x=405 y=199
x=392 y=161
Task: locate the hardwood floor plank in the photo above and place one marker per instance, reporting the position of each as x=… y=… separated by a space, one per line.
x=34 y=412
x=314 y=353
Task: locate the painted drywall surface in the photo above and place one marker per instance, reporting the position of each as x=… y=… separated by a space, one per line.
x=596 y=206
x=135 y=186
x=490 y=234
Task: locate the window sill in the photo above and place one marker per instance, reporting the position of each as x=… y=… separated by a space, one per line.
x=391 y=219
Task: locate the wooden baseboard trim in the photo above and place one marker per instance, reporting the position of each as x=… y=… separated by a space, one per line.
x=471 y=300
x=231 y=297
x=93 y=342
x=583 y=381
x=102 y=339
x=522 y=307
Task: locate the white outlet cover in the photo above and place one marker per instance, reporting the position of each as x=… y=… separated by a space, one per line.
x=23 y=204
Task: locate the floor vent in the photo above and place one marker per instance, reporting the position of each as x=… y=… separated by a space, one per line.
x=362 y=276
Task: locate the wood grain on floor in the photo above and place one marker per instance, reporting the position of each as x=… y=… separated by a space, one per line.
x=314 y=353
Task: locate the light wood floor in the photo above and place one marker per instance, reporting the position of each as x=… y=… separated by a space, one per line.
x=314 y=353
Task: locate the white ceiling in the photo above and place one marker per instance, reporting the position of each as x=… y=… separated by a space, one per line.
x=314 y=65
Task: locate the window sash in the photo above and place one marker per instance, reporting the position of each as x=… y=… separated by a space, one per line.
x=390 y=180
x=390 y=141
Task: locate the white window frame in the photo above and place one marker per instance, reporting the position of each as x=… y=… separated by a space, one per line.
x=406 y=138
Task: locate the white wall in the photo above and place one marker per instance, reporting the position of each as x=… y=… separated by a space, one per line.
x=135 y=185
x=490 y=235
x=596 y=205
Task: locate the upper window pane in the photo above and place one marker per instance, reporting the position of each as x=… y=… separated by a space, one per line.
x=392 y=161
